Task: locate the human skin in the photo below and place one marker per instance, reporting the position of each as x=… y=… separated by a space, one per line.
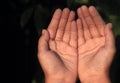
x=57 y=48
x=96 y=46
x=70 y=48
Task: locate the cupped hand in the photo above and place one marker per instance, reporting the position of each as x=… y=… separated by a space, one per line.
x=57 y=49
x=96 y=46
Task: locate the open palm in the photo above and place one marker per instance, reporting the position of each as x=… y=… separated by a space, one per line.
x=59 y=57
x=84 y=47
x=95 y=43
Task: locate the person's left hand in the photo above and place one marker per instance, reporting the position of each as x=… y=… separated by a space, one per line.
x=96 y=46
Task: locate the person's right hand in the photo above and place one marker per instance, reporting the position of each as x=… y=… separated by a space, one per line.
x=57 y=49
x=96 y=47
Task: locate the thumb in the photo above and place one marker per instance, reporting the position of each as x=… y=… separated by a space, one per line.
x=110 y=40
x=43 y=42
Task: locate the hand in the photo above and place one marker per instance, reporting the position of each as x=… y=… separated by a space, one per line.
x=57 y=49
x=95 y=46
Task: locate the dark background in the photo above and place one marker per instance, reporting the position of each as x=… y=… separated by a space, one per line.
x=29 y=17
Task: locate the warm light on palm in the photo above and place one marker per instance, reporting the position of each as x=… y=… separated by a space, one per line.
x=66 y=53
x=91 y=56
x=91 y=46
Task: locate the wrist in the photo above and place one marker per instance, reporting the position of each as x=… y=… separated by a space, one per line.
x=96 y=79
x=61 y=79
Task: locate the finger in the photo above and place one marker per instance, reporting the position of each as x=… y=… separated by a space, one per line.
x=62 y=24
x=110 y=40
x=71 y=16
x=91 y=25
x=66 y=36
x=87 y=34
x=54 y=23
x=81 y=39
x=43 y=42
x=97 y=19
x=73 y=35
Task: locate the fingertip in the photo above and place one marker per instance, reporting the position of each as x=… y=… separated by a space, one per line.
x=45 y=34
x=92 y=10
x=110 y=25
x=108 y=31
x=65 y=13
x=72 y=13
x=43 y=31
x=57 y=13
x=58 y=10
x=108 y=28
x=78 y=10
x=91 y=7
x=66 y=10
x=84 y=7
